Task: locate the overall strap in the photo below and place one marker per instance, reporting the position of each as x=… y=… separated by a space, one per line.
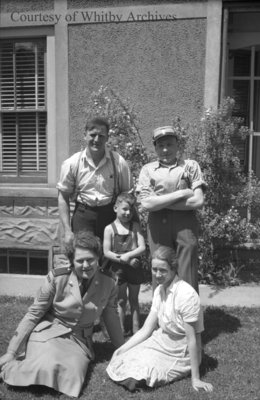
x=131 y=226
x=113 y=225
x=115 y=189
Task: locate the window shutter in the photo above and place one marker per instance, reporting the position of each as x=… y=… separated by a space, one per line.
x=9 y=143
x=23 y=108
x=7 y=76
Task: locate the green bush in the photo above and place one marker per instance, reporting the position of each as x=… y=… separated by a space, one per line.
x=124 y=135
x=211 y=143
x=230 y=193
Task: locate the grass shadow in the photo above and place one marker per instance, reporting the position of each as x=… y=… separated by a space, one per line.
x=217 y=321
x=34 y=390
x=103 y=351
x=208 y=364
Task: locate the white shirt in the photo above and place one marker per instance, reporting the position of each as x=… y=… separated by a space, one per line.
x=91 y=184
x=180 y=303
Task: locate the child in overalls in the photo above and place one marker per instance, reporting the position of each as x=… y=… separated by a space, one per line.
x=123 y=244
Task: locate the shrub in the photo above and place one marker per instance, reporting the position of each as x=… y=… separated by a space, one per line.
x=124 y=135
x=230 y=192
x=223 y=225
x=211 y=143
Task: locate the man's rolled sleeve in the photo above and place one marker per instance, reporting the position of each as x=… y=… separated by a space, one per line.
x=144 y=188
x=195 y=175
x=67 y=179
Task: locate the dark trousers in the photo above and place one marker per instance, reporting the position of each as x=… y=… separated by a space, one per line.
x=93 y=219
x=178 y=230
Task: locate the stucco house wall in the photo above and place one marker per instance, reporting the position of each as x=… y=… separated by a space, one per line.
x=161 y=67
x=158 y=66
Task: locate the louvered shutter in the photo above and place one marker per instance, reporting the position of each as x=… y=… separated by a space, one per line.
x=23 y=109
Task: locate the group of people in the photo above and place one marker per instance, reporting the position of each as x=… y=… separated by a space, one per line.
x=56 y=332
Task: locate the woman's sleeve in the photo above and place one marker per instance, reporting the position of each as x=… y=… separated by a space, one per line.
x=188 y=303
x=36 y=311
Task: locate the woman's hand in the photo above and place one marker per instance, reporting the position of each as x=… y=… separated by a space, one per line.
x=198 y=384
x=5 y=359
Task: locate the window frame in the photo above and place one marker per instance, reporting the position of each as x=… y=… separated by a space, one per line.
x=18 y=247
x=251 y=78
x=37 y=188
x=236 y=41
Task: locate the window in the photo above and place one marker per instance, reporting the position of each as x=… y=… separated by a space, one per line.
x=244 y=86
x=244 y=82
x=23 y=125
x=22 y=261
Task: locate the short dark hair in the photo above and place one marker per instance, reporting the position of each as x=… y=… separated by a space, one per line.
x=167 y=254
x=101 y=121
x=127 y=197
x=87 y=240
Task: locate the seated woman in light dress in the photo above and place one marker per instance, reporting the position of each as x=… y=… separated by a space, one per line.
x=57 y=329
x=166 y=348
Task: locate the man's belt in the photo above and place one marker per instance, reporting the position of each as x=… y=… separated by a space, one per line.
x=85 y=206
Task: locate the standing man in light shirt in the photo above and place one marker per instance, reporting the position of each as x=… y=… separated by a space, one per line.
x=93 y=178
x=171 y=190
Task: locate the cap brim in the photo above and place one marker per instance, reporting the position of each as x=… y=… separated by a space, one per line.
x=164 y=135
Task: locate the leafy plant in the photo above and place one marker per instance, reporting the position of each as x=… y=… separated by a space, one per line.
x=230 y=192
x=124 y=132
x=211 y=143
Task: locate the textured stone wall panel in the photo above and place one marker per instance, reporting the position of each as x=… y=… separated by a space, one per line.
x=53 y=212
x=31 y=233
x=30 y=211
x=6 y=211
x=52 y=208
x=6 y=206
x=29 y=207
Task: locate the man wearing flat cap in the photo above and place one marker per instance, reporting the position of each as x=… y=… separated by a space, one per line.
x=171 y=190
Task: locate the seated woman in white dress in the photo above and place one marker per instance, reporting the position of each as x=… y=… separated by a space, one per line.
x=167 y=347
x=57 y=329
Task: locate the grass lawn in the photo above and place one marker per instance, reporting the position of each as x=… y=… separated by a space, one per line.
x=231 y=362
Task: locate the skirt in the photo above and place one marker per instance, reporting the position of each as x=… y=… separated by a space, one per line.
x=159 y=360
x=59 y=363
